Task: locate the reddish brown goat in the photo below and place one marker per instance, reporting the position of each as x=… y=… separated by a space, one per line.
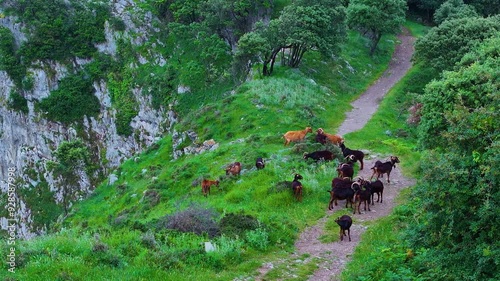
x=233 y=169
x=335 y=139
x=296 y=135
x=206 y=184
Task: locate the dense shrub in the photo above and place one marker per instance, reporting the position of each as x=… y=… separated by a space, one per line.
x=60 y=29
x=71 y=101
x=18 y=102
x=9 y=61
x=234 y=225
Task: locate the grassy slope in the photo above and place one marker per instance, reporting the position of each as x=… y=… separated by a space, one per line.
x=247 y=124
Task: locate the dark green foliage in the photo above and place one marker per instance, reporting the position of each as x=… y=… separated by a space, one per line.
x=447 y=43
x=159 y=82
x=199 y=58
x=233 y=224
x=193 y=219
x=232 y=18
x=8 y=58
x=375 y=18
x=41 y=202
x=301 y=27
x=71 y=101
x=70 y=157
x=60 y=30
x=454 y=9
x=461 y=110
x=18 y=102
x=101 y=65
x=459 y=212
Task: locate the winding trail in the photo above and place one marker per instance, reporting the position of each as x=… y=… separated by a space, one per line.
x=334 y=256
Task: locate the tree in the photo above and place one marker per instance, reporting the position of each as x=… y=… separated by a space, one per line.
x=459 y=222
x=375 y=18
x=230 y=19
x=443 y=46
x=462 y=109
x=198 y=56
x=71 y=157
x=301 y=27
x=454 y=9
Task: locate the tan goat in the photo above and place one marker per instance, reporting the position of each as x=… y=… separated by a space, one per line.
x=296 y=135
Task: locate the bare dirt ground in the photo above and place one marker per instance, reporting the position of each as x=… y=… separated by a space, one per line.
x=334 y=256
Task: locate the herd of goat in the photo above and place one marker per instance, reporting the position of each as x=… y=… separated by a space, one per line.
x=344 y=186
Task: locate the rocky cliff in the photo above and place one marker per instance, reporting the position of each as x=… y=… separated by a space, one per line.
x=28 y=140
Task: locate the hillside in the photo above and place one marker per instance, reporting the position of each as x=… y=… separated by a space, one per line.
x=120 y=230
x=113 y=113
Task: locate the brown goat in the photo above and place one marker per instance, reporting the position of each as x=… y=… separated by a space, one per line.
x=233 y=169
x=206 y=184
x=296 y=135
x=335 y=139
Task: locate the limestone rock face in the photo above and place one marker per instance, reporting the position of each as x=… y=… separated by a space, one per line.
x=28 y=140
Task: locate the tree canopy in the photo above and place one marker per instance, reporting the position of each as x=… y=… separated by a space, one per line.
x=447 y=43
x=460 y=121
x=375 y=18
x=301 y=27
x=454 y=9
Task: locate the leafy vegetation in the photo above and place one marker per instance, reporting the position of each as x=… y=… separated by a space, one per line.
x=374 y=18
x=448 y=233
x=60 y=29
x=8 y=58
x=73 y=100
x=445 y=45
x=18 y=102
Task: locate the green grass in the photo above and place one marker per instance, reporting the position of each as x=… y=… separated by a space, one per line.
x=247 y=123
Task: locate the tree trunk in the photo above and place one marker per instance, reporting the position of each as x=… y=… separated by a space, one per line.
x=267 y=71
x=375 y=40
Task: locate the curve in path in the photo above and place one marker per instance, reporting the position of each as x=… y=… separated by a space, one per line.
x=367 y=104
x=334 y=256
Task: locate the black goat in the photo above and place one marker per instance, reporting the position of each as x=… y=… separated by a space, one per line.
x=378 y=188
x=297 y=187
x=358 y=154
x=362 y=193
x=320 y=155
x=345 y=223
x=346 y=170
x=321 y=138
x=384 y=168
x=341 y=190
x=259 y=163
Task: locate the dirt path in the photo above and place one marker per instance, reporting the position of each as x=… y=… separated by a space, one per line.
x=334 y=256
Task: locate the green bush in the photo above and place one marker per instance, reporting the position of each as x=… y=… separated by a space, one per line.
x=71 y=101
x=60 y=29
x=18 y=102
x=258 y=238
x=234 y=225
